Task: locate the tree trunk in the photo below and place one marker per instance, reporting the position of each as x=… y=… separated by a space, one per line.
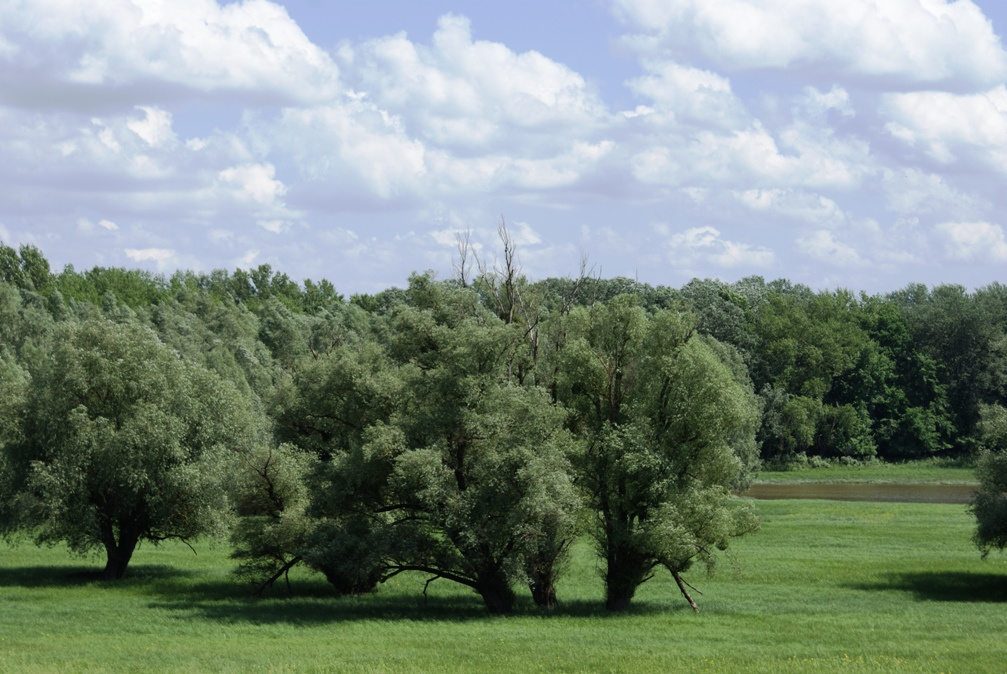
x=117 y=553
x=351 y=584
x=626 y=571
x=543 y=591
x=496 y=592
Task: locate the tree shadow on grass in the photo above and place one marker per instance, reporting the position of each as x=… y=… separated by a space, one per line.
x=947 y=586
x=80 y=575
x=231 y=602
x=224 y=599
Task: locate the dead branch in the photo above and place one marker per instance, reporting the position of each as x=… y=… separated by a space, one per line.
x=685 y=592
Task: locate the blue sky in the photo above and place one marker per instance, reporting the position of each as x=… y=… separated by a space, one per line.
x=860 y=144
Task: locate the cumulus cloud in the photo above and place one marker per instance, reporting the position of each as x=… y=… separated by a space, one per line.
x=705 y=244
x=915 y=42
x=154 y=128
x=949 y=127
x=913 y=192
x=822 y=246
x=87 y=226
x=799 y=156
x=161 y=257
x=683 y=94
x=805 y=207
x=77 y=54
x=466 y=93
x=816 y=103
x=764 y=125
x=974 y=241
x=253 y=182
x=348 y=149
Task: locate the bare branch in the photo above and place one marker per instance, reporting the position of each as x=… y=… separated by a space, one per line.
x=276 y=576
x=685 y=592
x=463 y=266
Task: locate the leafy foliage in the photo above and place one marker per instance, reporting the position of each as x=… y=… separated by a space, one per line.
x=120 y=441
x=669 y=430
x=463 y=428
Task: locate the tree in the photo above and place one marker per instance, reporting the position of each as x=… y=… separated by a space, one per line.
x=808 y=346
x=989 y=506
x=271 y=499
x=899 y=385
x=721 y=312
x=434 y=458
x=26 y=268
x=669 y=431
x=965 y=336
x=120 y=442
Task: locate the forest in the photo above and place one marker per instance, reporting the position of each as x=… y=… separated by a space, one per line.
x=470 y=428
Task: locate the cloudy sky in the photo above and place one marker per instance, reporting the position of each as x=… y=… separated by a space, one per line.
x=860 y=144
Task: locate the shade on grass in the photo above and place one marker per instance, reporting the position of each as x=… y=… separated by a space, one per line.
x=824 y=586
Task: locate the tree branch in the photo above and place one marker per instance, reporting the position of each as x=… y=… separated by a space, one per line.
x=284 y=569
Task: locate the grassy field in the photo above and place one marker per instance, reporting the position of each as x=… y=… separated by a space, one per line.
x=914 y=472
x=825 y=586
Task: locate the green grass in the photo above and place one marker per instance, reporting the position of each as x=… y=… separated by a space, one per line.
x=913 y=472
x=825 y=586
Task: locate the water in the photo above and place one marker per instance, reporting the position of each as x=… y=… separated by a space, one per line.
x=860 y=491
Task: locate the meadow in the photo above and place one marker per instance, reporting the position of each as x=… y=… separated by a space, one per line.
x=824 y=586
x=911 y=472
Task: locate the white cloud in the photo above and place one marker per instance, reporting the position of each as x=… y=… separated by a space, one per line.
x=154 y=128
x=247 y=259
x=274 y=226
x=706 y=245
x=464 y=93
x=523 y=235
x=821 y=245
x=801 y=156
x=974 y=241
x=71 y=48
x=349 y=148
x=253 y=182
x=948 y=127
x=684 y=94
x=161 y=257
x=108 y=224
x=817 y=103
x=799 y=205
x=913 y=192
x=912 y=41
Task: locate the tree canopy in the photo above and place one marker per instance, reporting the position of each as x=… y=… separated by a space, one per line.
x=118 y=441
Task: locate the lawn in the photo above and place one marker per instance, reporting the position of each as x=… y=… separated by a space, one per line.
x=912 y=472
x=824 y=586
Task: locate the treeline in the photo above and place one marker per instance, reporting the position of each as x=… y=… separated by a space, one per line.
x=469 y=428
x=906 y=375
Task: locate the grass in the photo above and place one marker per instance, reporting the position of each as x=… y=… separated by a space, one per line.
x=825 y=586
x=912 y=472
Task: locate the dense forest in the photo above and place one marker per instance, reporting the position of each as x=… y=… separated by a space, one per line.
x=469 y=428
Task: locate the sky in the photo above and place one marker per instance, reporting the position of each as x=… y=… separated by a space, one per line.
x=858 y=144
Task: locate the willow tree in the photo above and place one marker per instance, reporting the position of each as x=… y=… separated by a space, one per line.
x=669 y=424
x=464 y=474
x=119 y=441
x=989 y=505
